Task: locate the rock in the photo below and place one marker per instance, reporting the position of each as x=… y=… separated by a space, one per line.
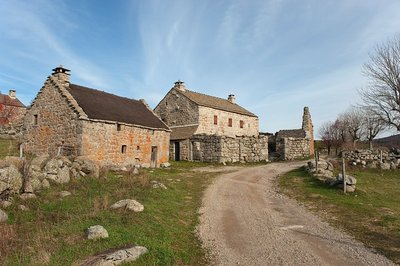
x=350 y=180
x=3 y=216
x=165 y=165
x=10 y=179
x=22 y=208
x=354 y=163
x=135 y=171
x=384 y=166
x=363 y=163
x=52 y=166
x=116 y=257
x=38 y=163
x=88 y=167
x=372 y=165
x=325 y=173
x=350 y=189
x=36 y=184
x=61 y=177
x=5 y=203
x=393 y=166
x=156 y=184
x=96 y=232
x=63 y=194
x=129 y=204
x=26 y=196
x=45 y=183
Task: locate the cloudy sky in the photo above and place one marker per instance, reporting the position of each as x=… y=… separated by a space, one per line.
x=276 y=56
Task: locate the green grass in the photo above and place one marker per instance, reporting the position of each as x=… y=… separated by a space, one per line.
x=371 y=214
x=52 y=231
x=8 y=147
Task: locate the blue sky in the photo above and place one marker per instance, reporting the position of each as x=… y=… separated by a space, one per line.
x=276 y=56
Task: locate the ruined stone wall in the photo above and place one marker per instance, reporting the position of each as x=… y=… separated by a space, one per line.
x=293 y=148
x=175 y=110
x=103 y=142
x=185 y=153
x=370 y=155
x=50 y=122
x=207 y=126
x=214 y=148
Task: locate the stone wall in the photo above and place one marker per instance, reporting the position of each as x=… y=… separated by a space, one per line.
x=50 y=122
x=293 y=148
x=214 y=148
x=175 y=110
x=185 y=147
x=103 y=143
x=207 y=126
x=11 y=131
x=370 y=155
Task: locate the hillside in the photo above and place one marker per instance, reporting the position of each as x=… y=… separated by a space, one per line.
x=389 y=142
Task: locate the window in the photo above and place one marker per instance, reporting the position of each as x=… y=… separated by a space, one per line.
x=137 y=147
x=230 y=122
x=215 y=120
x=123 y=149
x=241 y=123
x=35 y=119
x=118 y=127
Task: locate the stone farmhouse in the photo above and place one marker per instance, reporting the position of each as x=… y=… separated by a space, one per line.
x=12 y=110
x=210 y=129
x=292 y=144
x=69 y=119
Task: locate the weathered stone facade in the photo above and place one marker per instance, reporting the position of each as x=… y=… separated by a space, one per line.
x=210 y=129
x=214 y=148
x=293 y=148
x=56 y=121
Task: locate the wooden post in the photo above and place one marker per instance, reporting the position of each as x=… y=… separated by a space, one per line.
x=344 y=174
x=316 y=160
x=21 y=151
x=381 y=156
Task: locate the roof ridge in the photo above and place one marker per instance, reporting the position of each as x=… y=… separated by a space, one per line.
x=211 y=96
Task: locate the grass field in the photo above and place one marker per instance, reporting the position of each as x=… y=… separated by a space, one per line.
x=8 y=147
x=51 y=232
x=371 y=214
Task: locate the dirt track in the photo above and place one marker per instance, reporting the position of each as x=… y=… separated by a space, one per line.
x=245 y=221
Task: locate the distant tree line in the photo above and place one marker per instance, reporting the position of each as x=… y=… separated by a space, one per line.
x=380 y=102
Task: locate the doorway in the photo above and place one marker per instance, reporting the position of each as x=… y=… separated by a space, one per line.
x=153 y=156
x=177 y=149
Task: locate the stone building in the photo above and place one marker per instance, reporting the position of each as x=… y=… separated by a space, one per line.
x=108 y=129
x=292 y=144
x=208 y=128
x=12 y=109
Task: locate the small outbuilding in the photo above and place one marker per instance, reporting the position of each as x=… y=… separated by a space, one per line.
x=70 y=119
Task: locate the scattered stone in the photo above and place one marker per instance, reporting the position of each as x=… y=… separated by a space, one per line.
x=96 y=232
x=22 y=208
x=63 y=194
x=393 y=166
x=116 y=257
x=129 y=204
x=26 y=196
x=350 y=180
x=3 y=216
x=45 y=183
x=10 y=179
x=135 y=171
x=5 y=204
x=384 y=166
x=156 y=184
x=165 y=165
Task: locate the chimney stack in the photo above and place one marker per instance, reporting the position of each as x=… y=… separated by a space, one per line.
x=232 y=98
x=180 y=85
x=61 y=73
x=12 y=94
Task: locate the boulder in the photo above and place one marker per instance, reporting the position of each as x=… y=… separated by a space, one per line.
x=26 y=196
x=129 y=204
x=45 y=183
x=165 y=165
x=372 y=165
x=384 y=166
x=52 y=166
x=22 y=208
x=350 y=180
x=393 y=166
x=63 y=194
x=325 y=173
x=96 y=232
x=3 y=216
x=156 y=184
x=87 y=166
x=116 y=257
x=38 y=163
x=61 y=177
x=5 y=203
x=10 y=179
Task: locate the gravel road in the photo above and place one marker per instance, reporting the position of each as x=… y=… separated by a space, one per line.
x=244 y=221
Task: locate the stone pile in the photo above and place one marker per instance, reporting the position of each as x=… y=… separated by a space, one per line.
x=325 y=174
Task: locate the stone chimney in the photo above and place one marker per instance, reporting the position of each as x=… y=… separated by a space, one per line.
x=12 y=94
x=232 y=98
x=308 y=127
x=180 y=85
x=61 y=73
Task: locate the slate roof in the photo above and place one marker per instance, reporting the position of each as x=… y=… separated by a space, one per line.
x=183 y=132
x=7 y=100
x=105 y=106
x=215 y=102
x=291 y=133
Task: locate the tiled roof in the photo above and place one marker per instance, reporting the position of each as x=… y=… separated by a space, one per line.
x=215 y=102
x=183 y=132
x=7 y=100
x=291 y=133
x=105 y=106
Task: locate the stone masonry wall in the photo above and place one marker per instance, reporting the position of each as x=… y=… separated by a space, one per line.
x=370 y=155
x=185 y=153
x=102 y=142
x=175 y=110
x=214 y=148
x=207 y=126
x=55 y=123
x=293 y=148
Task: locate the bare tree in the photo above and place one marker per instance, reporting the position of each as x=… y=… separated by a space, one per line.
x=382 y=95
x=352 y=123
x=330 y=135
x=372 y=126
